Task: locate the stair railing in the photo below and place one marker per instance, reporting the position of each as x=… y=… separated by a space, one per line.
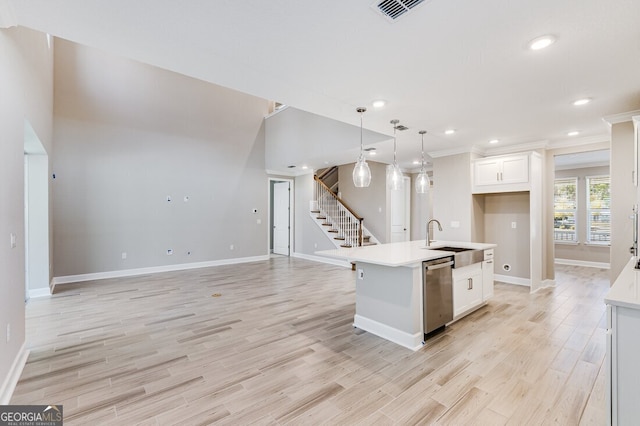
x=349 y=225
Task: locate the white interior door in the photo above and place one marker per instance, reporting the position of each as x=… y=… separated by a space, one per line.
x=281 y=218
x=400 y=212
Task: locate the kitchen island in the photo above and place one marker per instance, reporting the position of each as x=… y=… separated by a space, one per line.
x=389 y=286
x=623 y=346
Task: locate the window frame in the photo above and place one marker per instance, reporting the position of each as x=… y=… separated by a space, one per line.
x=571 y=212
x=589 y=210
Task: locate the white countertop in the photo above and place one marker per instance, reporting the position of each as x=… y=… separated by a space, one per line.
x=625 y=291
x=410 y=253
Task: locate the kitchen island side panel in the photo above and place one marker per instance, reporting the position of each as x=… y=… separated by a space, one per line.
x=391 y=296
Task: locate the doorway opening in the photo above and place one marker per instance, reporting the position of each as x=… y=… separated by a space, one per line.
x=582 y=219
x=280 y=216
x=36 y=215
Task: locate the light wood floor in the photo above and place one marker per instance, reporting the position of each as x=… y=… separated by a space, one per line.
x=277 y=346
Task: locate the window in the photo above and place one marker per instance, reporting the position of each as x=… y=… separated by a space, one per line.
x=599 y=209
x=564 y=210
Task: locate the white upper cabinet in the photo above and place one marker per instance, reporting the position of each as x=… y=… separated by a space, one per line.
x=501 y=173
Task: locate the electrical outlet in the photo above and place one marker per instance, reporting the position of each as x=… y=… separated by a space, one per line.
x=8 y=332
x=168 y=197
x=124 y=255
x=231 y=247
x=361 y=274
x=169 y=252
x=13 y=240
x=513 y=225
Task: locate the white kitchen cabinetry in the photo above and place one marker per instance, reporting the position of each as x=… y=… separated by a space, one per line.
x=467 y=288
x=623 y=353
x=501 y=173
x=487 y=275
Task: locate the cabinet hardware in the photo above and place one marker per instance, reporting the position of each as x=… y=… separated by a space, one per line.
x=469 y=283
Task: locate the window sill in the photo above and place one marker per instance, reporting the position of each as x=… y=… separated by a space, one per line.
x=567 y=243
x=593 y=244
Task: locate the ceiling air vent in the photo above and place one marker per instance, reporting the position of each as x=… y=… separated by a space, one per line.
x=393 y=9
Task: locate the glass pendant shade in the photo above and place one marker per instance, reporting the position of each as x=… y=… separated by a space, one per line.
x=422 y=183
x=395 y=179
x=361 y=173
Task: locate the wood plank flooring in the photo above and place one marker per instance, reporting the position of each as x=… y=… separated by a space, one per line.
x=272 y=343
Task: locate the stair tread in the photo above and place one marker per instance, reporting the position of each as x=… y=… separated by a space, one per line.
x=315 y=211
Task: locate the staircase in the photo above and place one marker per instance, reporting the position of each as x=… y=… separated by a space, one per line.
x=339 y=222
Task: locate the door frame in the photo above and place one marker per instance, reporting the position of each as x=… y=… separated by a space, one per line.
x=270 y=218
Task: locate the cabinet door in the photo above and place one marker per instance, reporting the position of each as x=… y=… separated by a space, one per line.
x=515 y=169
x=486 y=172
x=467 y=288
x=487 y=280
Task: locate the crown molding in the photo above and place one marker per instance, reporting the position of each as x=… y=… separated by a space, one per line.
x=454 y=151
x=587 y=140
x=620 y=118
x=521 y=147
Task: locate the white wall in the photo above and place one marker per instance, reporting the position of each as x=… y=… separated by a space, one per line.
x=26 y=72
x=37 y=219
x=452 y=200
x=127 y=136
x=623 y=196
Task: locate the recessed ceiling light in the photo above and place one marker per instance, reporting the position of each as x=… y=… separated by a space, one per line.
x=574 y=133
x=493 y=141
x=379 y=103
x=449 y=131
x=583 y=101
x=541 y=42
x=417 y=162
x=304 y=167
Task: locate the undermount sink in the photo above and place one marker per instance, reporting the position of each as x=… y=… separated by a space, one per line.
x=453 y=249
x=463 y=256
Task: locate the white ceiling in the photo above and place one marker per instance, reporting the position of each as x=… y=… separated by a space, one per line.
x=460 y=64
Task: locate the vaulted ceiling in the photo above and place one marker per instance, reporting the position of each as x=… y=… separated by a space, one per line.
x=445 y=64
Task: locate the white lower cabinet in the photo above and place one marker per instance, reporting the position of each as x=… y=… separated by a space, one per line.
x=467 y=288
x=487 y=280
x=623 y=365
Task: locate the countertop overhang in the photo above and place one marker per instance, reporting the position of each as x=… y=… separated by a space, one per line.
x=625 y=290
x=409 y=253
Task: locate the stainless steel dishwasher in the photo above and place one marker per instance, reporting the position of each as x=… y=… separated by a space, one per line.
x=437 y=291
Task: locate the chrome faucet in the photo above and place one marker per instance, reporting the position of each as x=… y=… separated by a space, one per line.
x=429 y=233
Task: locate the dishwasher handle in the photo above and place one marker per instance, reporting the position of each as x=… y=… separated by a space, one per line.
x=439 y=265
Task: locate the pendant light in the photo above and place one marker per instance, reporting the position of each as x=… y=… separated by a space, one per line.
x=395 y=179
x=361 y=173
x=422 y=181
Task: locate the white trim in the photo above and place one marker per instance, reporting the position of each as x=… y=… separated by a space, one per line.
x=39 y=292
x=291 y=211
x=402 y=338
x=620 y=118
x=517 y=148
x=572 y=262
x=10 y=382
x=454 y=151
x=153 y=270
x=321 y=259
x=512 y=280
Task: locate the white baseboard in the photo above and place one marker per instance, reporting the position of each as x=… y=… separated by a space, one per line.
x=321 y=259
x=10 y=382
x=39 y=292
x=152 y=270
x=410 y=341
x=571 y=262
x=512 y=280
x=544 y=284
